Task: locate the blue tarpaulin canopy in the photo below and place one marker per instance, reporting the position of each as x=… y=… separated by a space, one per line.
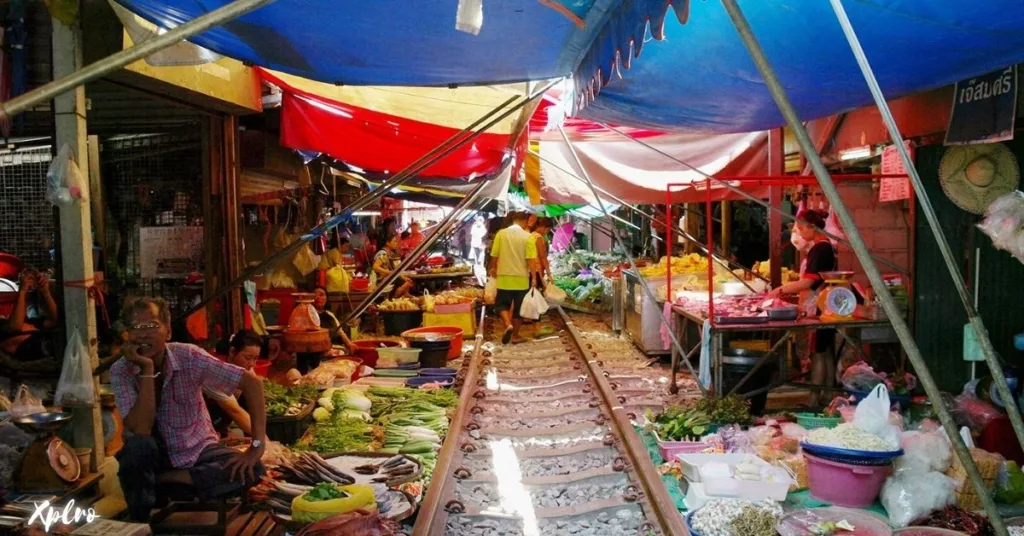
x=415 y=43
x=700 y=77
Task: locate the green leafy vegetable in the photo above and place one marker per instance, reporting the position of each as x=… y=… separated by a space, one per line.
x=325 y=492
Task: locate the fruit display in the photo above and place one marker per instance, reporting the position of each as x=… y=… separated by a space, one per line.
x=445 y=270
x=450 y=298
x=399 y=305
x=764 y=269
x=687 y=264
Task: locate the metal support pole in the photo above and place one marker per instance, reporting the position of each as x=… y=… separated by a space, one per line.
x=933 y=223
x=444 y=149
x=724 y=263
x=861 y=249
x=725 y=184
x=127 y=56
x=632 y=266
x=446 y=224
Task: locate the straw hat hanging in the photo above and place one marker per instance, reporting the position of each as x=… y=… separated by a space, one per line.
x=975 y=175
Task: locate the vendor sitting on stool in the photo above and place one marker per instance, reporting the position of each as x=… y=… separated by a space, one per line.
x=169 y=437
x=384 y=264
x=243 y=349
x=330 y=322
x=819 y=257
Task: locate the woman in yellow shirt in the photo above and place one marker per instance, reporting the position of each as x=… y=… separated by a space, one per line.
x=539 y=237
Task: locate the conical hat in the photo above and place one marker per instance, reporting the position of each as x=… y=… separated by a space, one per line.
x=975 y=175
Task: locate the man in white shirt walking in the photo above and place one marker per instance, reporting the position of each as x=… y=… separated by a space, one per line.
x=513 y=256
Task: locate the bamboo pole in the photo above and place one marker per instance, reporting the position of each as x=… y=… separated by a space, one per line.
x=861 y=249
x=933 y=222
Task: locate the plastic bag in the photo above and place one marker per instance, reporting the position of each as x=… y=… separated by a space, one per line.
x=491 y=291
x=1010 y=484
x=26 y=404
x=528 y=309
x=65 y=181
x=861 y=377
x=1004 y=223
x=910 y=495
x=925 y=452
x=539 y=301
x=76 y=386
x=338 y=280
x=872 y=416
x=555 y=294
x=976 y=412
x=305 y=261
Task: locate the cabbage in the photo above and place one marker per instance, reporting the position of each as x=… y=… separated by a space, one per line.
x=351 y=399
x=326 y=403
x=321 y=414
x=350 y=413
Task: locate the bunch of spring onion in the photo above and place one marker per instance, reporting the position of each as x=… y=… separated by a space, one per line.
x=410 y=440
x=386 y=400
x=421 y=414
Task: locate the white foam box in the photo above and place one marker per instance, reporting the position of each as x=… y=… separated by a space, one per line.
x=751 y=490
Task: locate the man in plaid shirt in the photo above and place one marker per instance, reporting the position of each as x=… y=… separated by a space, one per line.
x=168 y=433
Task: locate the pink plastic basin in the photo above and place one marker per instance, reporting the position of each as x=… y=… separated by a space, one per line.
x=843 y=484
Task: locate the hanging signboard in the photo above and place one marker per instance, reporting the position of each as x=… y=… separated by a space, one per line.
x=894 y=189
x=984 y=108
x=170 y=252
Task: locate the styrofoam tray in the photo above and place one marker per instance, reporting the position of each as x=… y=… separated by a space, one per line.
x=690 y=463
x=729 y=487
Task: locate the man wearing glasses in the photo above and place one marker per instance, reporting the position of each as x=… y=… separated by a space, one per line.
x=169 y=437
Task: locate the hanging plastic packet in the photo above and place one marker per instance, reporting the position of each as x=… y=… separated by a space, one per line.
x=469 y=17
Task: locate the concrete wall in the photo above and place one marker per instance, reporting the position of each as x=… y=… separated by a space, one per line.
x=884 y=227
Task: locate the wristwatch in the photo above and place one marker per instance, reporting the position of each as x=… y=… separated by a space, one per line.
x=256 y=443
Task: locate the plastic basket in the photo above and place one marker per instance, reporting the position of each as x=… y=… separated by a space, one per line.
x=811 y=421
x=288 y=429
x=670 y=449
x=856 y=457
x=843 y=484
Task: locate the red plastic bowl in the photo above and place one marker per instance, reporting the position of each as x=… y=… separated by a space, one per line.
x=367 y=350
x=359 y=284
x=452 y=333
x=261 y=368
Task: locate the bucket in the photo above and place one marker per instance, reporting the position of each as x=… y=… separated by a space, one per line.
x=433 y=354
x=397 y=323
x=844 y=484
x=83 y=456
x=439 y=333
x=366 y=350
x=735 y=367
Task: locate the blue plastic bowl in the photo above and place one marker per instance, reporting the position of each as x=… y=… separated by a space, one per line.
x=420 y=381
x=438 y=372
x=689 y=523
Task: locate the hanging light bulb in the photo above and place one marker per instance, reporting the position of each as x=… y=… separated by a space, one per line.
x=469 y=17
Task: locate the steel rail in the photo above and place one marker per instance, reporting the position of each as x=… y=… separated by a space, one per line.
x=658 y=498
x=899 y=324
x=643 y=282
x=437 y=491
x=659 y=509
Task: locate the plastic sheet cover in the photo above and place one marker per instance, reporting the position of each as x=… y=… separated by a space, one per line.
x=398 y=42
x=701 y=76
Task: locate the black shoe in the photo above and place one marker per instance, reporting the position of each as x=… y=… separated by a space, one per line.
x=507 y=336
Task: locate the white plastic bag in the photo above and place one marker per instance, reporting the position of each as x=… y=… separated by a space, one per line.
x=65 y=182
x=872 y=416
x=75 y=387
x=555 y=294
x=26 y=404
x=924 y=452
x=909 y=495
x=528 y=309
x=539 y=301
x=491 y=291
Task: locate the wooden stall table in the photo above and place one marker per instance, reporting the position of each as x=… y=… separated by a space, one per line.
x=434 y=282
x=683 y=319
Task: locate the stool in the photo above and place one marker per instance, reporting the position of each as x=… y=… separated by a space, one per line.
x=183 y=499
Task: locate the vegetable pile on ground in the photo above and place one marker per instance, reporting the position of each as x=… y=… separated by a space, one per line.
x=287 y=401
x=736 y=517
x=414 y=421
x=691 y=420
x=585 y=288
x=732 y=409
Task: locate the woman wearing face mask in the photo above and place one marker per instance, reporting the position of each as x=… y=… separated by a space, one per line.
x=819 y=256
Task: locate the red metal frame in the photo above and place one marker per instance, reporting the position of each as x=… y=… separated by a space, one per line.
x=760 y=180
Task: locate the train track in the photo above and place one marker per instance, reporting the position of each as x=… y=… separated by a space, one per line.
x=543 y=444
